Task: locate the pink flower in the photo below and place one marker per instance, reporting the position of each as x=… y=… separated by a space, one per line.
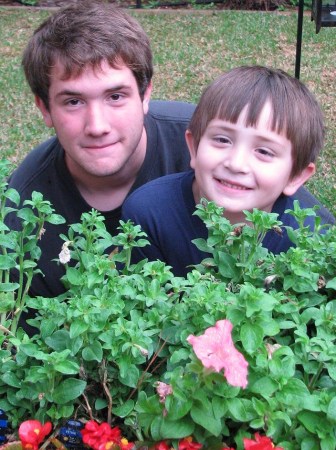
x=216 y=351
x=163 y=390
x=260 y=443
x=32 y=433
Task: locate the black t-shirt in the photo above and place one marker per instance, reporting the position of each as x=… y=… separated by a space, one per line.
x=44 y=170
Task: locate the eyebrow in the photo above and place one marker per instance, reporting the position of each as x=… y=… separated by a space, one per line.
x=230 y=126
x=71 y=92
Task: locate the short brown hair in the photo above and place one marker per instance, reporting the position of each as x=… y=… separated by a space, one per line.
x=82 y=35
x=296 y=113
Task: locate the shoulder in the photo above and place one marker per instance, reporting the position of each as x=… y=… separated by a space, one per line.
x=175 y=111
x=34 y=165
x=158 y=194
x=167 y=183
x=307 y=200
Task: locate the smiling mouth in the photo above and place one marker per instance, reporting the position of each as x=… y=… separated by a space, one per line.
x=100 y=147
x=238 y=187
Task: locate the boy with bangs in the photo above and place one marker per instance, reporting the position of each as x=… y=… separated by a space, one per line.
x=253 y=141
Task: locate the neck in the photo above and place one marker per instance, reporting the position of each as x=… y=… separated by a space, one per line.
x=108 y=192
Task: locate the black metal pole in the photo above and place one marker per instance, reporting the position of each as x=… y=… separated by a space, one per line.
x=299 y=39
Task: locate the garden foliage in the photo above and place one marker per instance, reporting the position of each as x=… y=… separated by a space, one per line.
x=103 y=347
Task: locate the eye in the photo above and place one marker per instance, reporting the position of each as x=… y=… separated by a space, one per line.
x=116 y=97
x=220 y=139
x=73 y=102
x=265 y=152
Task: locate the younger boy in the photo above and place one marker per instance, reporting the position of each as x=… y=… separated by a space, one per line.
x=253 y=140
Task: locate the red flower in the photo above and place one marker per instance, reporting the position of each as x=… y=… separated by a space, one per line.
x=123 y=444
x=97 y=436
x=188 y=444
x=162 y=446
x=32 y=433
x=260 y=443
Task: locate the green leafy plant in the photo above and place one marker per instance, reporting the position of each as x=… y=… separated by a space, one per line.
x=121 y=333
x=19 y=248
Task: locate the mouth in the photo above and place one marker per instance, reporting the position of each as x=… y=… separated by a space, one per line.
x=99 y=146
x=232 y=185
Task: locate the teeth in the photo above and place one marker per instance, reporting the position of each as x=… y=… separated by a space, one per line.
x=233 y=186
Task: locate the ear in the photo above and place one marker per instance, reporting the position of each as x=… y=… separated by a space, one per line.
x=44 y=111
x=294 y=184
x=146 y=98
x=192 y=148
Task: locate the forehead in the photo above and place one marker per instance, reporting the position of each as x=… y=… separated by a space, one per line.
x=249 y=117
x=61 y=73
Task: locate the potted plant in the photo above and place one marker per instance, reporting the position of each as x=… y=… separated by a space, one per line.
x=239 y=353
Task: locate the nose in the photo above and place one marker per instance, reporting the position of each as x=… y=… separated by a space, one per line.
x=97 y=120
x=237 y=159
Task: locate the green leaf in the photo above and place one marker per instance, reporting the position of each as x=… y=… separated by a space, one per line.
x=163 y=428
x=9 y=287
x=13 y=196
x=242 y=409
x=7 y=262
x=27 y=215
x=58 y=341
x=77 y=328
x=331 y=284
x=125 y=409
x=68 y=390
x=179 y=355
x=329 y=442
x=294 y=393
x=251 y=336
x=176 y=408
x=101 y=403
x=11 y=379
x=310 y=420
x=264 y=386
x=56 y=219
x=331 y=412
x=74 y=276
x=7 y=302
x=227 y=266
x=219 y=407
x=93 y=352
x=57 y=412
x=204 y=417
x=148 y=405
x=129 y=374
x=67 y=367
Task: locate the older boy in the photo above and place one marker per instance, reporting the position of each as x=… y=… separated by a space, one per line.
x=253 y=141
x=90 y=69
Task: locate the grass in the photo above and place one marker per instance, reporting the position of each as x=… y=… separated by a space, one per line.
x=190 y=50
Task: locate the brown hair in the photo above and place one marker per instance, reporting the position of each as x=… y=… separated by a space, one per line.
x=82 y=35
x=296 y=113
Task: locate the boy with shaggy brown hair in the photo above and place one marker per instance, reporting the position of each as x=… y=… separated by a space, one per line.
x=90 y=69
